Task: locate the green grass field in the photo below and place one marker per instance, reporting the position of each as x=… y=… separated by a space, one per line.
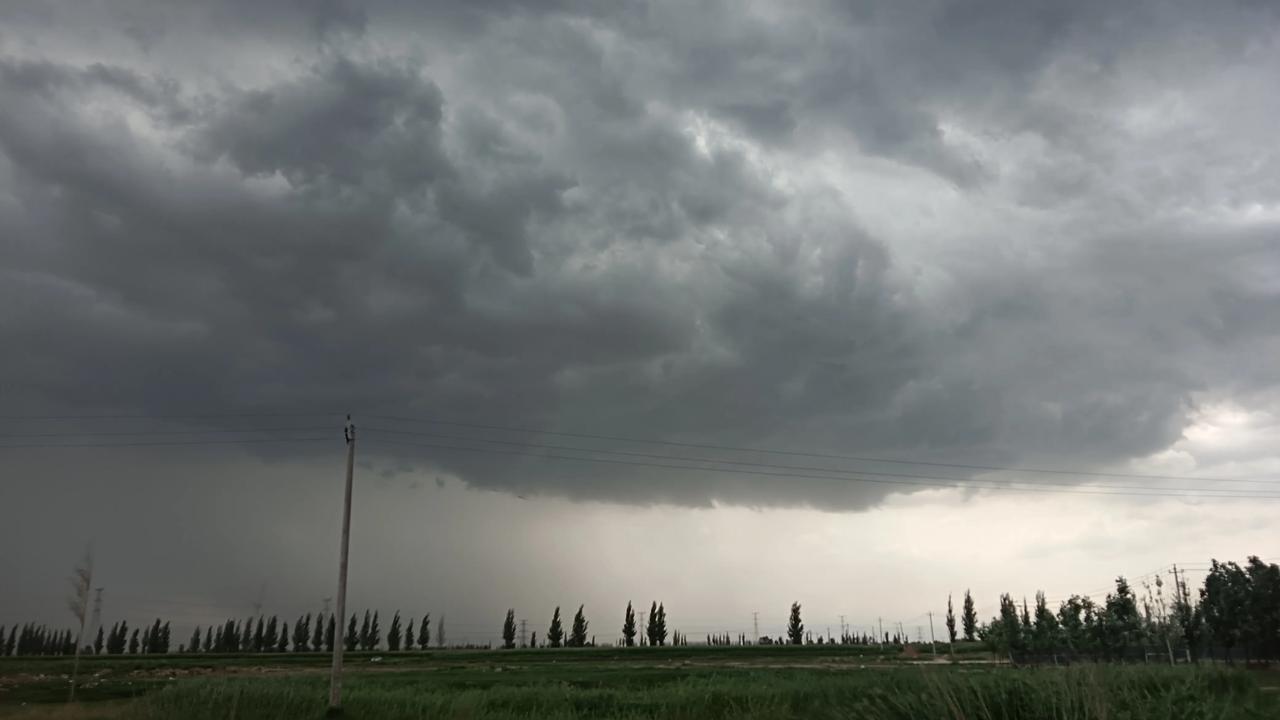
x=688 y=682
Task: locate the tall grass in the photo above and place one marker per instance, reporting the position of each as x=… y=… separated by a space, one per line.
x=1079 y=693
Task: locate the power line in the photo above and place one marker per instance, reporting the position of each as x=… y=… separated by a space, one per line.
x=801 y=468
x=961 y=485
x=772 y=451
x=616 y=438
x=166 y=416
x=136 y=433
x=245 y=441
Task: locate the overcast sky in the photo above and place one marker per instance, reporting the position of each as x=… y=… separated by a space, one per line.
x=998 y=233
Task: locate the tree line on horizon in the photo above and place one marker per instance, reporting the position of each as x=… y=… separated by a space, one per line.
x=1236 y=609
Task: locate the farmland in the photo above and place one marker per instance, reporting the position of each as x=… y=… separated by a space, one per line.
x=685 y=682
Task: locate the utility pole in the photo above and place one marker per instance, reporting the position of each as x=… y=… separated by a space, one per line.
x=335 y=677
x=524 y=633
x=880 y=637
x=1183 y=603
x=97 y=612
x=932 y=641
x=79 y=606
x=643 y=635
x=755 y=623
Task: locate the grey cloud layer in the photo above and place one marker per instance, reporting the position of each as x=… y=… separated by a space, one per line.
x=563 y=217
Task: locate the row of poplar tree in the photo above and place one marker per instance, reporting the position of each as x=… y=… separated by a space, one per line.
x=263 y=635
x=1235 y=612
x=656 y=632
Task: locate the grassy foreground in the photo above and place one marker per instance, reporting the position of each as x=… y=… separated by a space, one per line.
x=1134 y=693
x=720 y=682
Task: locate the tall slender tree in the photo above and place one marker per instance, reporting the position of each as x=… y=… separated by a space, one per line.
x=951 y=622
x=795 y=628
x=969 y=617
x=424 y=632
x=363 y=641
x=555 y=633
x=271 y=634
x=393 y=633
x=629 y=627
x=440 y=639
x=1010 y=636
x=330 y=633
x=351 y=639
x=509 y=630
x=302 y=633
x=317 y=633
x=259 y=636
x=193 y=645
x=410 y=637
x=578 y=635
x=660 y=629
x=282 y=642
x=375 y=633
x=1046 y=633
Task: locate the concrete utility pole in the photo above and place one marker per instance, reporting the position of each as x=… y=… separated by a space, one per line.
x=932 y=641
x=335 y=677
x=755 y=623
x=97 y=612
x=880 y=637
x=524 y=633
x=78 y=603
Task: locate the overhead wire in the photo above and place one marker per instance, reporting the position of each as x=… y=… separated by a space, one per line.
x=136 y=433
x=774 y=451
x=860 y=479
x=722 y=461
x=166 y=416
x=705 y=464
x=238 y=441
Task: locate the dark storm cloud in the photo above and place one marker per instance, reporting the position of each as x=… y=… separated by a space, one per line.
x=562 y=216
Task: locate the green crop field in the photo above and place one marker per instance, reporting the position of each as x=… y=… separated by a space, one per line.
x=689 y=682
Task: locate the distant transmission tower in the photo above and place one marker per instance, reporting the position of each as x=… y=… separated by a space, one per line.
x=257 y=604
